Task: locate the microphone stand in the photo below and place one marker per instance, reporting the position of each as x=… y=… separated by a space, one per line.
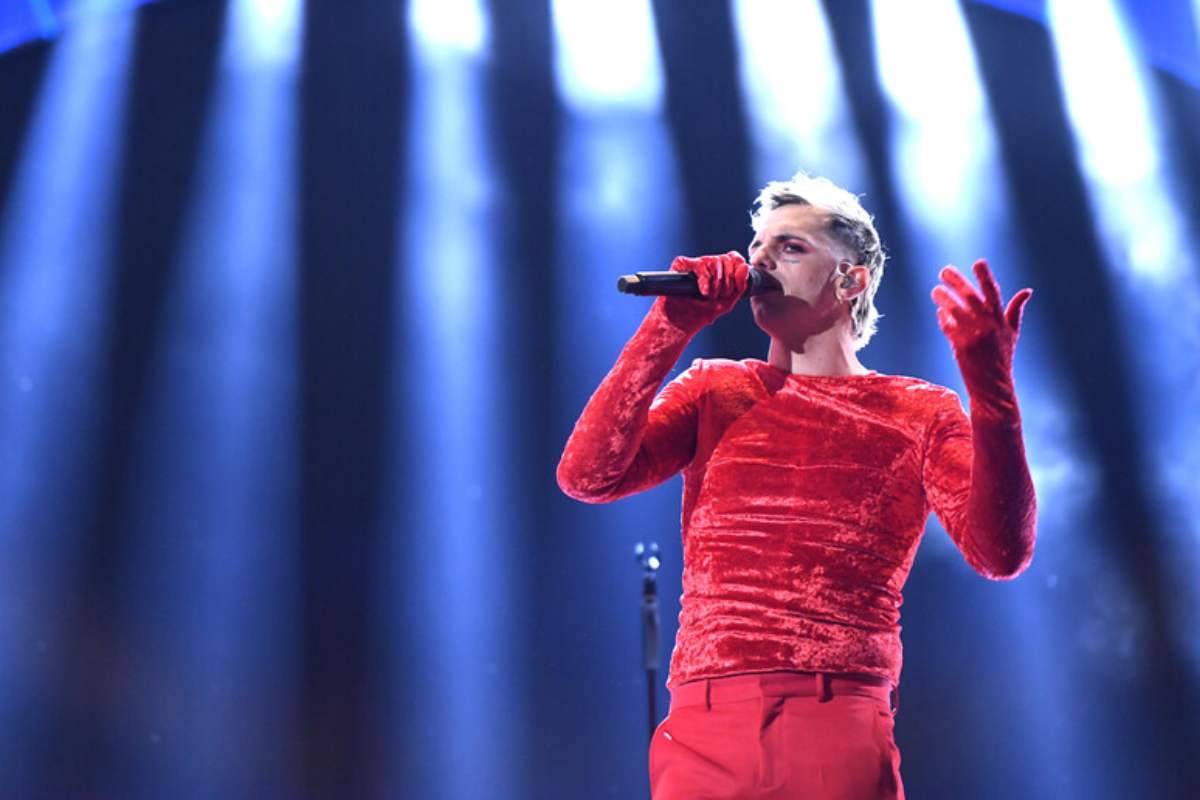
x=648 y=558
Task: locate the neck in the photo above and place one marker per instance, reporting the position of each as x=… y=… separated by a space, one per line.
x=830 y=352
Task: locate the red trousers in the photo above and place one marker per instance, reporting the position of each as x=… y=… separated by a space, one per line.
x=777 y=735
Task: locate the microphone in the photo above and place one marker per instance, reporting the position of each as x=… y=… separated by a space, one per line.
x=685 y=284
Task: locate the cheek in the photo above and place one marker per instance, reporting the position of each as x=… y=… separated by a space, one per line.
x=806 y=285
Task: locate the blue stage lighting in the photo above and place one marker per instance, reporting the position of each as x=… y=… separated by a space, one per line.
x=1113 y=116
x=794 y=99
x=1151 y=246
x=263 y=31
x=945 y=148
x=453 y=25
x=453 y=528
x=44 y=17
x=606 y=54
x=217 y=434
x=55 y=271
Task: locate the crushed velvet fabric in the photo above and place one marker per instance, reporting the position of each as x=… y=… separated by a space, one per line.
x=805 y=497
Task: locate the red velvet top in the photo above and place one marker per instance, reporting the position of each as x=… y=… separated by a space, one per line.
x=804 y=499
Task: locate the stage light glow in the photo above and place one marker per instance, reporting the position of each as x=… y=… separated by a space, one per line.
x=794 y=99
x=263 y=32
x=43 y=15
x=1150 y=247
x=448 y=25
x=55 y=270
x=1114 y=121
x=943 y=139
x=926 y=63
x=450 y=383
x=1103 y=93
x=217 y=434
x=606 y=55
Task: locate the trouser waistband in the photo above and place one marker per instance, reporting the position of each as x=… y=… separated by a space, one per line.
x=822 y=685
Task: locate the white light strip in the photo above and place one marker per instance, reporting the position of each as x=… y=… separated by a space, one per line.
x=263 y=32
x=1150 y=246
x=448 y=26
x=56 y=234
x=221 y=407
x=1113 y=119
x=606 y=55
x=448 y=531
x=794 y=98
x=54 y=239
x=944 y=143
x=926 y=63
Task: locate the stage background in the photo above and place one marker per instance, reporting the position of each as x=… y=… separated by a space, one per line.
x=299 y=302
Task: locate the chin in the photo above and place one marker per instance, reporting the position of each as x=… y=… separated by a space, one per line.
x=762 y=317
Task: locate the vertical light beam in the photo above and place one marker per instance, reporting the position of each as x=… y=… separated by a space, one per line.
x=945 y=160
x=452 y=26
x=606 y=55
x=1151 y=249
x=216 y=468
x=795 y=103
x=55 y=245
x=452 y=569
x=1114 y=120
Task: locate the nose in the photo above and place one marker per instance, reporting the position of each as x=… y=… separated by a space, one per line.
x=760 y=260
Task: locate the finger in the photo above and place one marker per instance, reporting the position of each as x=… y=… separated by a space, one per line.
x=966 y=291
x=684 y=264
x=987 y=282
x=946 y=299
x=740 y=272
x=949 y=311
x=1016 y=308
x=946 y=322
x=707 y=277
x=697 y=267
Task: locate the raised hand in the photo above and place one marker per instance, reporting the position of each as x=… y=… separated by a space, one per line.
x=978 y=326
x=723 y=280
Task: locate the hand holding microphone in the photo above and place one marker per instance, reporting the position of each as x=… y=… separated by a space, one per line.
x=713 y=286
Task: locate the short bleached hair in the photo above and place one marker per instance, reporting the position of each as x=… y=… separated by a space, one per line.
x=849 y=224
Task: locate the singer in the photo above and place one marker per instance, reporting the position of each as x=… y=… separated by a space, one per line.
x=808 y=480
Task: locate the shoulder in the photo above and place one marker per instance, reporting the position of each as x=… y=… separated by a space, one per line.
x=926 y=391
x=924 y=400
x=721 y=376
x=940 y=406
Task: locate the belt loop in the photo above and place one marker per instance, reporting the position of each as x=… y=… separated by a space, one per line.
x=708 y=694
x=824 y=695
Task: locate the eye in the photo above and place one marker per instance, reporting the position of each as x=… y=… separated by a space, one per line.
x=794 y=247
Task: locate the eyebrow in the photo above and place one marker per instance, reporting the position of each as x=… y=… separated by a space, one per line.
x=785 y=236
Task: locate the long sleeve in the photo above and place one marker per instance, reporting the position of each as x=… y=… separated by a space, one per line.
x=626 y=440
x=977 y=480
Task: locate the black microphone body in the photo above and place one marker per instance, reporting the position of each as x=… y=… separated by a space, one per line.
x=685 y=284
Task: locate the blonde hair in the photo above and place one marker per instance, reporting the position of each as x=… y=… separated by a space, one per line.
x=849 y=224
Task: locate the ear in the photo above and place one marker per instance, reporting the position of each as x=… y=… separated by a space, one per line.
x=861 y=277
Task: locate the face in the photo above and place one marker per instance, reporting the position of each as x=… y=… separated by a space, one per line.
x=795 y=249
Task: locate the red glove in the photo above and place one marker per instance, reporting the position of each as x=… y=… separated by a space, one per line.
x=723 y=280
x=982 y=335
x=1001 y=515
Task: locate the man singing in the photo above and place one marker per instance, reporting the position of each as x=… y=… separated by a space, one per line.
x=808 y=480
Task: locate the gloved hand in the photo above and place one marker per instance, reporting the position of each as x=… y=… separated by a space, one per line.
x=723 y=280
x=983 y=335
